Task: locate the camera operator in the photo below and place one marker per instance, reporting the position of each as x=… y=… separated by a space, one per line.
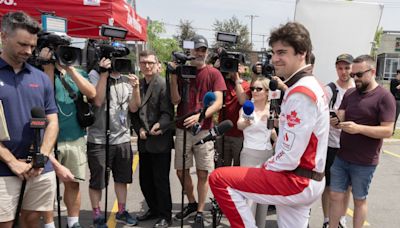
x=124 y=97
x=238 y=91
x=207 y=79
x=25 y=87
x=71 y=141
x=293 y=178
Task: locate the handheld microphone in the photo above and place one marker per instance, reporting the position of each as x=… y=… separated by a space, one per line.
x=248 y=109
x=274 y=94
x=218 y=130
x=208 y=100
x=37 y=122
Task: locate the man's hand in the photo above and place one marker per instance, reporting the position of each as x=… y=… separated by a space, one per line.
x=155 y=130
x=20 y=168
x=34 y=172
x=142 y=133
x=64 y=173
x=191 y=120
x=334 y=121
x=349 y=127
x=133 y=80
x=45 y=54
x=105 y=64
x=281 y=85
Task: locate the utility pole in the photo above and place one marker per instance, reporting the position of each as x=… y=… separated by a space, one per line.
x=251 y=28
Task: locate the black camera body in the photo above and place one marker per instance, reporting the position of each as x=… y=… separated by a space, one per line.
x=115 y=52
x=39 y=160
x=182 y=70
x=229 y=61
x=59 y=44
x=267 y=69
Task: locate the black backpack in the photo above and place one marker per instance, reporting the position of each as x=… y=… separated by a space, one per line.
x=334 y=94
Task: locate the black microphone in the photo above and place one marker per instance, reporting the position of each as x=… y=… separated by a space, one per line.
x=38 y=121
x=218 y=130
x=274 y=94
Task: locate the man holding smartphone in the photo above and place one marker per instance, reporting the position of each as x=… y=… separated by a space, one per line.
x=335 y=92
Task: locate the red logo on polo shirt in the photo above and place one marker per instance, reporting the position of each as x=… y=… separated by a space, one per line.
x=292 y=119
x=33 y=85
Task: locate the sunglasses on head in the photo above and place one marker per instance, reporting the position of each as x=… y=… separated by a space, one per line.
x=359 y=74
x=258 y=89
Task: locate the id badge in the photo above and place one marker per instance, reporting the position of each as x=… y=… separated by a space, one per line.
x=122 y=117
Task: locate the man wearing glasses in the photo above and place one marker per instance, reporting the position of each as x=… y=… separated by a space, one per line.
x=366 y=116
x=154 y=143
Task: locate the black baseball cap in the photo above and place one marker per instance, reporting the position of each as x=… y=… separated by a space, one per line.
x=199 y=41
x=345 y=58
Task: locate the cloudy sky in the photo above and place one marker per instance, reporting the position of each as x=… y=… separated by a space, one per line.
x=268 y=14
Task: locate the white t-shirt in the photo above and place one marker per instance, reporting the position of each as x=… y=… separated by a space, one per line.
x=257 y=136
x=334 y=133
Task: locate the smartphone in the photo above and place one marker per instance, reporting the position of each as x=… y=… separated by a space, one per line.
x=333 y=115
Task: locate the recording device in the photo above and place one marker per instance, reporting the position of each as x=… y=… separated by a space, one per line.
x=183 y=70
x=59 y=44
x=37 y=122
x=114 y=51
x=334 y=115
x=274 y=95
x=229 y=61
x=218 y=130
x=264 y=67
x=208 y=99
x=248 y=109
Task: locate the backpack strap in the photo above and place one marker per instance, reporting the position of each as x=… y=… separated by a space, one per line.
x=334 y=94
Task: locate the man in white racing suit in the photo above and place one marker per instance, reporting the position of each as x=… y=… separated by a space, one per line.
x=294 y=177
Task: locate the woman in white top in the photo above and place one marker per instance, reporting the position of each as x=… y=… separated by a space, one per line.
x=257 y=147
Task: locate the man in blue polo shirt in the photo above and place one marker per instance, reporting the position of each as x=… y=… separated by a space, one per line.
x=23 y=87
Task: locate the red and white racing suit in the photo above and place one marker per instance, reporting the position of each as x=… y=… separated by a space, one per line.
x=302 y=142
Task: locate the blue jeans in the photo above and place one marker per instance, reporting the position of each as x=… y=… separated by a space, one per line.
x=344 y=174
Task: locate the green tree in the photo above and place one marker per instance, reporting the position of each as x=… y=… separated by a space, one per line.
x=377 y=42
x=233 y=25
x=163 y=47
x=185 y=31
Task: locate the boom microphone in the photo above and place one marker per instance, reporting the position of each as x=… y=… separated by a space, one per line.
x=218 y=130
x=248 y=109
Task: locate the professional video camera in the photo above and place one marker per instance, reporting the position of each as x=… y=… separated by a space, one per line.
x=264 y=67
x=59 y=45
x=114 y=51
x=229 y=60
x=182 y=70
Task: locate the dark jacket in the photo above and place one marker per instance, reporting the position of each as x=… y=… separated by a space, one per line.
x=155 y=107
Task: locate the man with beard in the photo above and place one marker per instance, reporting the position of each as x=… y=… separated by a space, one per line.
x=335 y=93
x=207 y=79
x=366 y=116
x=293 y=178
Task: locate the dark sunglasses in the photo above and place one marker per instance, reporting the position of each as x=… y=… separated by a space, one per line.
x=359 y=74
x=258 y=89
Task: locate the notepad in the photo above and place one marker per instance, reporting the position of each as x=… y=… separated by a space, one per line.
x=4 y=136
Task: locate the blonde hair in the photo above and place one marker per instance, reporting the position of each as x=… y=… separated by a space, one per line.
x=265 y=84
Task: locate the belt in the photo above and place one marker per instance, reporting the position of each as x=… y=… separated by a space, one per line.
x=309 y=174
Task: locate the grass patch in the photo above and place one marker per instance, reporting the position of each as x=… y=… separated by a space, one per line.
x=396 y=134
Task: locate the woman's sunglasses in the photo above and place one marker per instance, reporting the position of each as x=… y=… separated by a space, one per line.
x=258 y=89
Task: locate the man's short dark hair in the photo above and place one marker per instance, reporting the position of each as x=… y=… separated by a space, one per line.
x=311 y=59
x=295 y=35
x=146 y=53
x=365 y=58
x=19 y=20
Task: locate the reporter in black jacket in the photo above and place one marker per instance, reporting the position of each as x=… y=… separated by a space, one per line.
x=154 y=144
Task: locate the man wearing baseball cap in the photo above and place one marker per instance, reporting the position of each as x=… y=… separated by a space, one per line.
x=207 y=79
x=335 y=92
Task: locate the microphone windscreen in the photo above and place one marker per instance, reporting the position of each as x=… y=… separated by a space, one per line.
x=273 y=85
x=248 y=107
x=38 y=112
x=208 y=99
x=224 y=126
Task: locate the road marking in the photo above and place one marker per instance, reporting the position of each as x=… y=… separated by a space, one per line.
x=391 y=153
x=111 y=219
x=351 y=213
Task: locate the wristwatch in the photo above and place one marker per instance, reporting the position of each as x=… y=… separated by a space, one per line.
x=239 y=81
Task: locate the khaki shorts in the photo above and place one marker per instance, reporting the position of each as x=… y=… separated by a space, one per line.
x=39 y=195
x=203 y=153
x=73 y=156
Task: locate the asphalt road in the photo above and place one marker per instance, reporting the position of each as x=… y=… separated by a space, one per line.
x=383 y=200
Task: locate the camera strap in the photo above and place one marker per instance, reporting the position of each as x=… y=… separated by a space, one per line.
x=71 y=92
